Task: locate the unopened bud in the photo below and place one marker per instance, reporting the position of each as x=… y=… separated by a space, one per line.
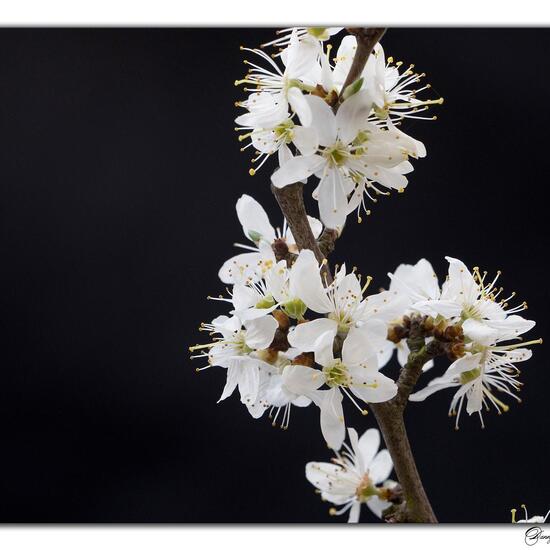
x=353 y=88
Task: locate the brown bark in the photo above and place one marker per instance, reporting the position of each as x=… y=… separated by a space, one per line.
x=291 y=202
x=389 y=415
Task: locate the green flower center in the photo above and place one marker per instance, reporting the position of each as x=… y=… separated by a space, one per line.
x=284 y=131
x=266 y=302
x=337 y=155
x=318 y=32
x=295 y=309
x=469 y=375
x=336 y=374
x=366 y=489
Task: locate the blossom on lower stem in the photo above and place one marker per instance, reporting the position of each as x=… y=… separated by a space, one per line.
x=355 y=375
x=527 y=519
x=236 y=348
x=477 y=375
x=250 y=266
x=359 y=475
x=289 y=385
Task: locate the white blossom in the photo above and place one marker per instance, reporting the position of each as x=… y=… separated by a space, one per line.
x=477 y=375
x=251 y=266
x=394 y=93
x=353 y=156
x=235 y=347
x=354 y=375
x=475 y=303
x=343 y=304
x=359 y=475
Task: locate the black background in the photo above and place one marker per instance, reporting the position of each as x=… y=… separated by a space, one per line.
x=119 y=171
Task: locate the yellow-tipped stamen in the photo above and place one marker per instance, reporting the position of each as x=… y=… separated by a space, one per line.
x=367 y=283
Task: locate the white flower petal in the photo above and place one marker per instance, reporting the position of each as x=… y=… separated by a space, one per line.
x=305 y=283
x=300 y=105
x=357 y=350
x=369 y=444
x=240 y=268
x=354 y=512
x=479 y=332
x=323 y=120
x=380 y=468
x=260 y=332
x=332 y=418
x=311 y=335
x=377 y=505
x=333 y=201
x=352 y=115
x=296 y=169
x=305 y=140
x=301 y=380
x=372 y=387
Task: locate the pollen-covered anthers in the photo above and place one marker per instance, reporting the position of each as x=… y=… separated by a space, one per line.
x=284 y=421
x=346 y=304
x=268 y=80
x=219 y=298
x=200 y=351
x=401 y=99
x=266 y=141
x=489 y=291
x=362 y=206
x=284 y=36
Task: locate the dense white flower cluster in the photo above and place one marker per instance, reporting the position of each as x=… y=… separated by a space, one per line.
x=271 y=297
x=294 y=332
x=347 y=138
x=290 y=338
x=475 y=304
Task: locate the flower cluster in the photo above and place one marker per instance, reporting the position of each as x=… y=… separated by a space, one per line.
x=295 y=332
x=491 y=330
x=285 y=323
x=347 y=136
x=292 y=338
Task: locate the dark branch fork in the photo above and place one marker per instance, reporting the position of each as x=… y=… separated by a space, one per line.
x=389 y=415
